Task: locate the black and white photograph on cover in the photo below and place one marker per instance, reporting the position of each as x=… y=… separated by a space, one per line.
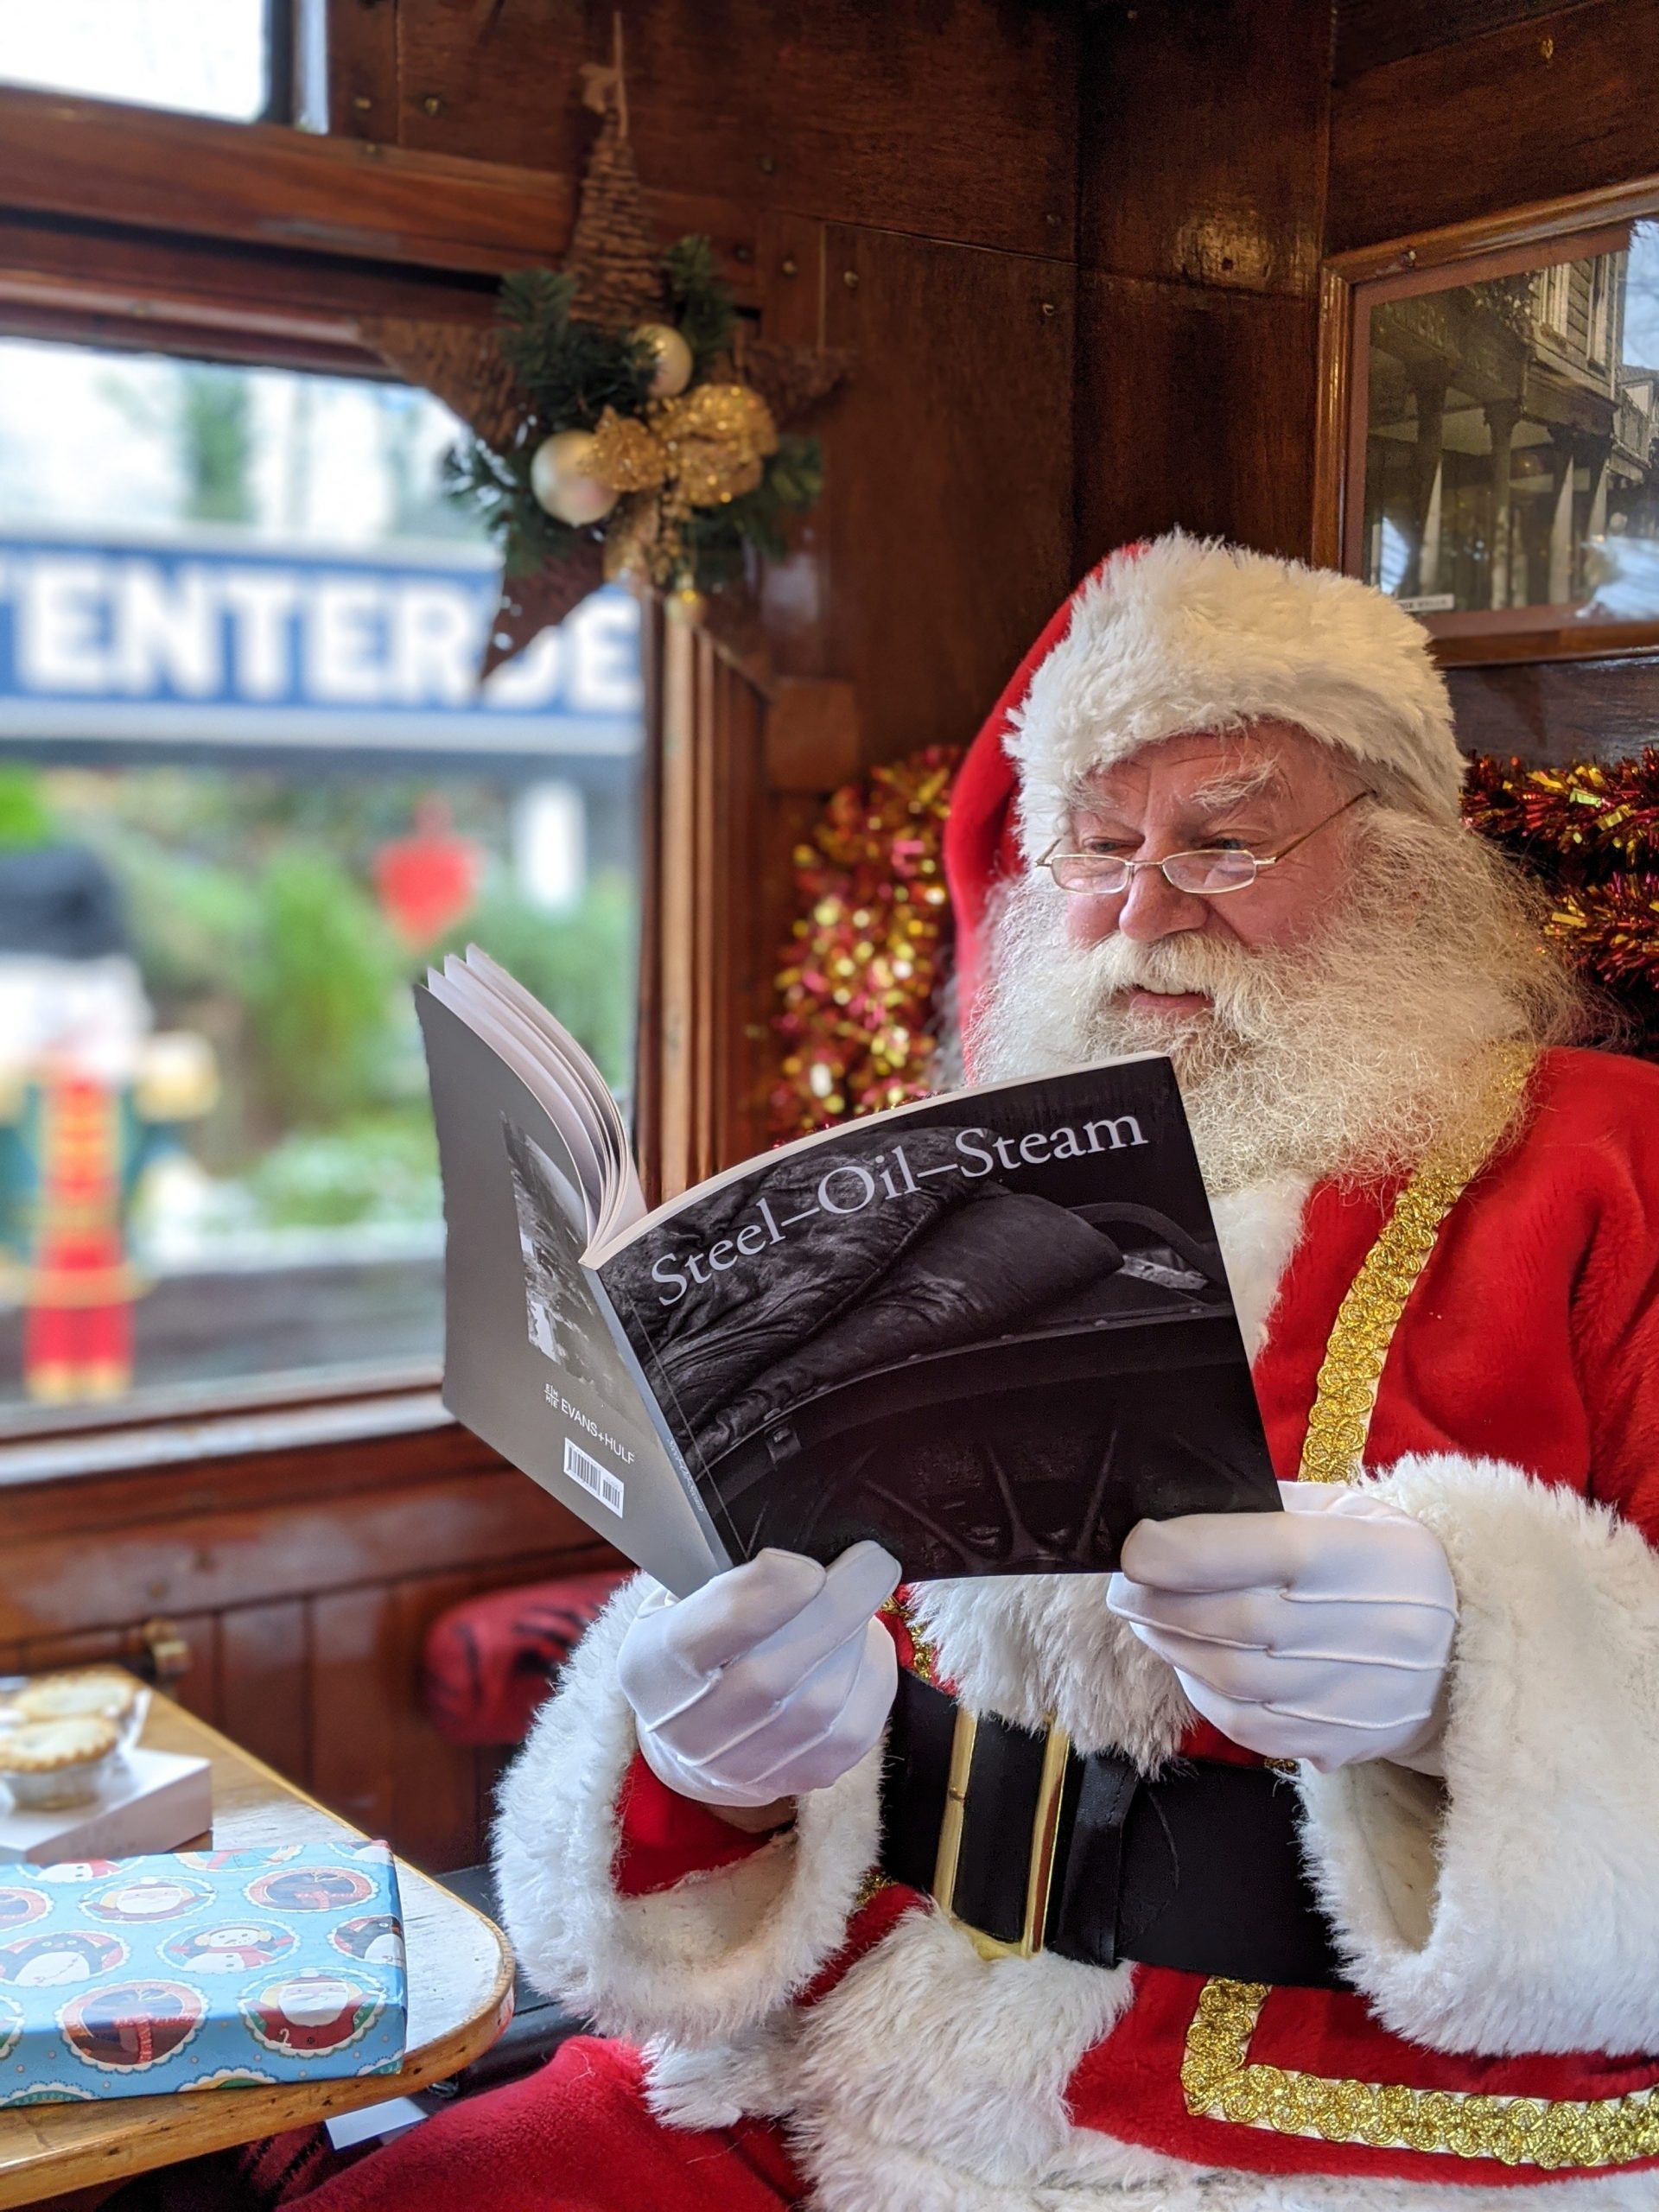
x=995 y=1333
x=564 y=1325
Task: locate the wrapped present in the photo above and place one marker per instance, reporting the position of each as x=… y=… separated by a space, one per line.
x=199 y=1970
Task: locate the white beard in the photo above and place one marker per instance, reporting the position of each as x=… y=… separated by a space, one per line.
x=1345 y=1056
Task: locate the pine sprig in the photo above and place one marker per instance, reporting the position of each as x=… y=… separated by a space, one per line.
x=702 y=305
x=718 y=536
x=570 y=370
x=496 y=487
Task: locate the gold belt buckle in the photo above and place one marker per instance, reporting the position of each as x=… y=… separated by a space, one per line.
x=1045 y=1827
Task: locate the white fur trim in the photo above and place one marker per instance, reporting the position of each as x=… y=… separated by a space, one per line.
x=1518 y=1909
x=1029 y=1645
x=1191 y=634
x=1260 y=1229
x=699 y=1962
x=931 y=2080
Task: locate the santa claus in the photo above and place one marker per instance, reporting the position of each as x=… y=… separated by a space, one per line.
x=1346 y=1891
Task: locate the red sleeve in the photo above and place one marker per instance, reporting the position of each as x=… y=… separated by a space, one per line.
x=663 y=1837
x=1612 y=1143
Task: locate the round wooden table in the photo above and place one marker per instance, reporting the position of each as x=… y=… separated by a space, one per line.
x=460 y=1999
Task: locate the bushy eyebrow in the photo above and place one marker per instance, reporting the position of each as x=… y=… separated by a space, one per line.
x=1224 y=792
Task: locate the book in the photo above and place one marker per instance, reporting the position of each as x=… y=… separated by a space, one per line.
x=991 y=1330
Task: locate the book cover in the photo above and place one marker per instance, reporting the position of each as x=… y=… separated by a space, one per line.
x=991 y=1331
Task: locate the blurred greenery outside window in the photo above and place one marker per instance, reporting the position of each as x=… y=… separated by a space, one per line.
x=278 y=897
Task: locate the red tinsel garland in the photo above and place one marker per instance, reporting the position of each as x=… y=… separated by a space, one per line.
x=1590 y=830
x=860 y=974
x=860 y=977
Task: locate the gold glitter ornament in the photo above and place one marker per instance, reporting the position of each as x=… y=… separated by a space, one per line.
x=627 y=454
x=718 y=438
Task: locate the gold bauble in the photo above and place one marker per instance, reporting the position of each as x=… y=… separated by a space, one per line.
x=564 y=481
x=673 y=358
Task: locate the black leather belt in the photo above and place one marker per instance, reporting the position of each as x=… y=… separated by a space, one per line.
x=1030 y=1848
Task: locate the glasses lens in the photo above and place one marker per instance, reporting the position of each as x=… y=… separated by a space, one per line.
x=1101 y=873
x=1210 y=871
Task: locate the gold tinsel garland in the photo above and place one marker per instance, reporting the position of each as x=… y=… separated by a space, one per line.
x=1589 y=831
x=859 y=976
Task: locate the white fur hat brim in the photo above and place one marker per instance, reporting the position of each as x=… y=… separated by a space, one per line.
x=1184 y=634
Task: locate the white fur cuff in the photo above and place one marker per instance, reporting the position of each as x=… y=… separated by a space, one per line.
x=1517 y=1909
x=698 y=1962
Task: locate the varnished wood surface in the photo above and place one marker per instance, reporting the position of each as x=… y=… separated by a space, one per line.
x=953 y=120
x=1371 y=32
x=304 y=1581
x=1557 y=710
x=459 y=1981
x=265 y=185
x=1565 y=102
x=1202 y=157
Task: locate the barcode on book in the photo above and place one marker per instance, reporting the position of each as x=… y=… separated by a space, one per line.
x=583 y=1468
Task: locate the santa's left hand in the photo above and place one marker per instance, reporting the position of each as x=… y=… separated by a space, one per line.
x=1321 y=1633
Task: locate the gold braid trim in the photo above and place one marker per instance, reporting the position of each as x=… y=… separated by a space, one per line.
x=1346 y=1393
x=1219 y=2082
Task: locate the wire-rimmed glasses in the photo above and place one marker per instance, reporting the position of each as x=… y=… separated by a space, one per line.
x=1208 y=873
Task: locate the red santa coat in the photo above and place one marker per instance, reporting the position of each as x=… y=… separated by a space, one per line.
x=1503 y=1930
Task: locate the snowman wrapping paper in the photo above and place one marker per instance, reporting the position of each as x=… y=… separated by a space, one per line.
x=199 y=1970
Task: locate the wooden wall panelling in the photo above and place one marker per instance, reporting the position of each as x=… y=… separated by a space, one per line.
x=1557 y=710
x=1202 y=162
x=357 y=1680
x=264 y=1671
x=1197 y=410
x=266 y=186
x=1203 y=142
x=946 y=543
x=953 y=118
x=434 y=1783
x=360 y=47
x=195 y=294
x=1371 y=32
x=1561 y=103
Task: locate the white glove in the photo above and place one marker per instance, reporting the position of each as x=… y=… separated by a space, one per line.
x=1321 y=1633
x=772 y=1679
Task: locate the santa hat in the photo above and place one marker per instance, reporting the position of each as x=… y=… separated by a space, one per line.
x=1181 y=634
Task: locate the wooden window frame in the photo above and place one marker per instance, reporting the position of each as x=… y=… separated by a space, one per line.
x=254 y=242
x=1463 y=252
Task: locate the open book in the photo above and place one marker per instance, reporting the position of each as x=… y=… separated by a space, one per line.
x=991 y=1330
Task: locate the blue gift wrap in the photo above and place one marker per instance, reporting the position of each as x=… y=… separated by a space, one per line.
x=200 y=1970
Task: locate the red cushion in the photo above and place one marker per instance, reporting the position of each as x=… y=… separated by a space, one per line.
x=488 y=1662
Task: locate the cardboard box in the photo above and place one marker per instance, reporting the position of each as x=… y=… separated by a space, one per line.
x=151 y=1801
x=200 y=1970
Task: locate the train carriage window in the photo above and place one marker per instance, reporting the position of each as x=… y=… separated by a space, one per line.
x=227 y=59
x=249 y=788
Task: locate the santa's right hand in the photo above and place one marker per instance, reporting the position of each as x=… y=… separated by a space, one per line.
x=773 y=1678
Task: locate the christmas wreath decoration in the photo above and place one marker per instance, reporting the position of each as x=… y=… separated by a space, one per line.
x=624 y=421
